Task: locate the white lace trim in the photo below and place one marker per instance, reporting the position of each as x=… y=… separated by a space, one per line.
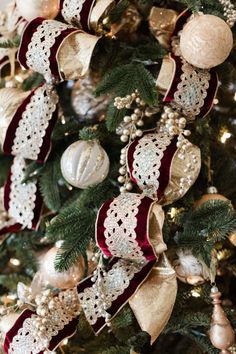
x=120 y=225
x=147 y=161
x=35 y=119
x=71 y=10
x=22 y=195
x=39 y=49
x=192 y=90
x=113 y=285
x=26 y=340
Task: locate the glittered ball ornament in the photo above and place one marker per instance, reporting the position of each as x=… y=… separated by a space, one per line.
x=64 y=280
x=85 y=164
x=206 y=41
x=189 y=269
x=211 y=195
x=30 y=9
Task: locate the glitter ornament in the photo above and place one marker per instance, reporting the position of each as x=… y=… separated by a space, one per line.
x=64 y=280
x=85 y=104
x=85 y=164
x=206 y=41
x=189 y=269
x=30 y=9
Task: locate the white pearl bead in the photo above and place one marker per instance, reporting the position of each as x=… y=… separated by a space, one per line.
x=139 y=133
x=124 y=138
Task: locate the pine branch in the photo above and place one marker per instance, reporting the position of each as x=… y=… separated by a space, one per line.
x=114 y=117
x=125 y=79
x=117 y=12
x=49 y=184
x=32 y=81
x=10 y=281
x=14 y=43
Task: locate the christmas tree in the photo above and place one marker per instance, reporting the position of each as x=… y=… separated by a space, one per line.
x=118 y=187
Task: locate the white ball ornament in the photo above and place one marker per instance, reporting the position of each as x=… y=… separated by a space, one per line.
x=64 y=280
x=85 y=164
x=30 y=9
x=206 y=41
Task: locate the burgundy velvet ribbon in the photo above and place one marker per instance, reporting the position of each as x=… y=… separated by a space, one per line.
x=211 y=91
x=67 y=331
x=142 y=232
x=11 y=130
x=165 y=168
x=27 y=37
x=141 y=228
x=213 y=83
x=117 y=305
x=84 y=14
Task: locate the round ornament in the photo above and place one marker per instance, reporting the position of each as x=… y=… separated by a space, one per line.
x=209 y=196
x=232 y=238
x=64 y=280
x=85 y=164
x=189 y=269
x=10 y=99
x=30 y=9
x=206 y=41
x=85 y=104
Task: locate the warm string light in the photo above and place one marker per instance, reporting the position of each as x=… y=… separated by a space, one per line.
x=195 y=293
x=225 y=136
x=15 y=262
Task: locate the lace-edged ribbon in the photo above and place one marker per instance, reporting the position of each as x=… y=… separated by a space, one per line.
x=77 y=12
x=22 y=201
x=61 y=323
x=122 y=232
x=29 y=132
x=192 y=90
x=39 y=51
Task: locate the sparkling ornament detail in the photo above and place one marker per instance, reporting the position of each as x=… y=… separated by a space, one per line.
x=84 y=164
x=30 y=9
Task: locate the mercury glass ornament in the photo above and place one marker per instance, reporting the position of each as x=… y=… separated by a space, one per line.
x=206 y=41
x=85 y=104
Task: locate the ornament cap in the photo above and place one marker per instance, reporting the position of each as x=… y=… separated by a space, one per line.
x=212 y=190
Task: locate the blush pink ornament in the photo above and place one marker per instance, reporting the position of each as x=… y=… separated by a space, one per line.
x=30 y=9
x=64 y=280
x=206 y=41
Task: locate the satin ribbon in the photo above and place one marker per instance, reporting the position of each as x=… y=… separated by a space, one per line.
x=123 y=234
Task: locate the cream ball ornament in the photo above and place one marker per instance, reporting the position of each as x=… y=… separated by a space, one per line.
x=64 y=280
x=206 y=41
x=30 y=9
x=7 y=322
x=85 y=164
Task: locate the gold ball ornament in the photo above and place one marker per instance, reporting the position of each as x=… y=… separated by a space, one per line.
x=85 y=164
x=232 y=238
x=209 y=196
x=30 y=9
x=64 y=280
x=206 y=41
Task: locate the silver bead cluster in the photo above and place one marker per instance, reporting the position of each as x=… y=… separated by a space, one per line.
x=229 y=12
x=172 y=123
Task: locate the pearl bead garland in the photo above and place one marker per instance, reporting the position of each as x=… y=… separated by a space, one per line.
x=129 y=130
x=229 y=12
